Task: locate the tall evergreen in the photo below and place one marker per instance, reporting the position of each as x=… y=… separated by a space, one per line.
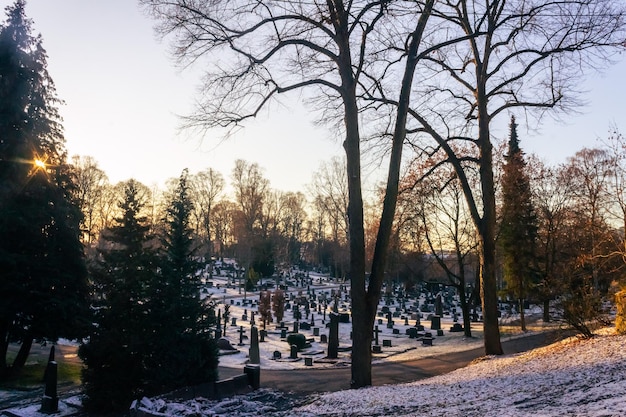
x=519 y=224
x=184 y=350
x=43 y=278
x=118 y=344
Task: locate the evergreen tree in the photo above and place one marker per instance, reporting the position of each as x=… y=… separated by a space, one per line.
x=185 y=351
x=43 y=278
x=519 y=224
x=118 y=345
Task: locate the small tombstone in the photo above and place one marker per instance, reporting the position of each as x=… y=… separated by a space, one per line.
x=224 y=344
x=440 y=332
x=323 y=338
x=406 y=321
x=295 y=327
x=233 y=322
x=50 y=400
x=376 y=349
x=293 y=352
x=435 y=323
x=283 y=333
x=412 y=333
x=456 y=327
x=316 y=331
x=427 y=341
x=308 y=361
x=386 y=342
x=396 y=331
x=241 y=332
x=262 y=335
x=277 y=355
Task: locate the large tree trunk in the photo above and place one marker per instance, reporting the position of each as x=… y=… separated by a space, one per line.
x=4 y=345
x=487 y=229
x=22 y=354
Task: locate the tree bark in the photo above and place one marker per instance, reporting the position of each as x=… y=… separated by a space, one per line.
x=22 y=354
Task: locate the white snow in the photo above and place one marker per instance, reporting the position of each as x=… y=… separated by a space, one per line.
x=573 y=378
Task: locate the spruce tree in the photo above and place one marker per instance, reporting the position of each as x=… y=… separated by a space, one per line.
x=185 y=351
x=519 y=224
x=43 y=278
x=118 y=344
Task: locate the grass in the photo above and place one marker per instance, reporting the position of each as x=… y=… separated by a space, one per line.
x=31 y=376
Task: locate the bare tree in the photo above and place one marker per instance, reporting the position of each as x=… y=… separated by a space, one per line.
x=207 y=187
x=492 y=58
x=90 y=184
x=269 y=48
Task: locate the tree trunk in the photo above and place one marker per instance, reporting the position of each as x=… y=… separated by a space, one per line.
x=22 y=354
x=467 y=321
x=522 y=316
x=4 y=345
x=546 y=311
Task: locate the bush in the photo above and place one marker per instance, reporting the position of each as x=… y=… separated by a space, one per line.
x=297 y=339
x=583 y=309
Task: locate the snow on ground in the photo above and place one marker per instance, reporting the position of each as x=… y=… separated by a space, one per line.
x=585 y=378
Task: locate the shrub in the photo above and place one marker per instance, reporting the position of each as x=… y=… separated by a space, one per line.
x=297 y=339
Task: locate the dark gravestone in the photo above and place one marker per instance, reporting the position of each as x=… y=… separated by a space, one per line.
x=376 y=349
x=277 y=355
x=253 y=352
x=262 y=334
x=396 y=331
x=293 y=352
x=308 y=361
x=456 y=327
x=241 y=332
x=344 y=318
x=333 y=336
x=376 y=331
x=412 y=333
x=305 y=326
x=253 y=372
x=386 y=342
x=439 y=332
x=316 y=331
x=435 y=323
x=224 y=344
x=323 y=338
x=283 y=333
x=427 y=341
x=50 y=400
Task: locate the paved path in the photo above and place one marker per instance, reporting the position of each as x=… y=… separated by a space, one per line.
x=333 y=379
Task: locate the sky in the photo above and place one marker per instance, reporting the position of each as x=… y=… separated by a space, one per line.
x=123 y=92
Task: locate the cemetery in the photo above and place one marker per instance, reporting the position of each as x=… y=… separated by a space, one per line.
x=315 y=330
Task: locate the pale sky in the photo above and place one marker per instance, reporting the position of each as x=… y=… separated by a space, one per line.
x=123 y=92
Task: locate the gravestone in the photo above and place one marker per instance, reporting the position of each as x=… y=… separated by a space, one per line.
x=305 y=326
x=323 y=338
x=389 y=320
x=50 y=400
x=262 y=334
x=224 y=344
x=316 y=331
x=333 y=336
x=233 y=322
x=293 y=352
x=283 y=333
x=308 y=361
x=376 y=349
x=386 y=342
x=395 y=331
x=456 y=327
x=376 y=331
x=277 y=355
x=435 y=323
x=241 y=332
x=253 y=352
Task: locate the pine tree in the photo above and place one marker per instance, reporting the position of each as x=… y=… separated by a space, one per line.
x=43 y=278
x=519 y=224
x=185 y=350
x=118 y=345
